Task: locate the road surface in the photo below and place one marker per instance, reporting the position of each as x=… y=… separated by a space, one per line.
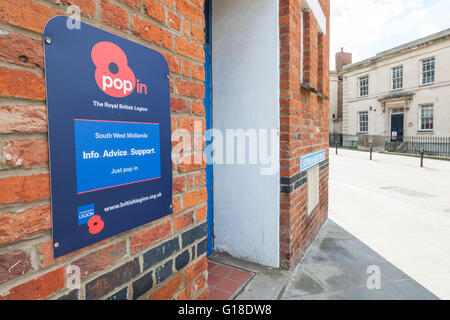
x=399 y=210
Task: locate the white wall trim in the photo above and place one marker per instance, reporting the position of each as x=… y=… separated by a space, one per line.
x=316 y=9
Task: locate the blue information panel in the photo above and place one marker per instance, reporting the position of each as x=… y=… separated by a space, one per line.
x=311 y=160
x=109 y=134
x=112 y=154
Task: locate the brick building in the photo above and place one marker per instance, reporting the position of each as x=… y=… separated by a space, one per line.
x=337 y=93
x=273 y=74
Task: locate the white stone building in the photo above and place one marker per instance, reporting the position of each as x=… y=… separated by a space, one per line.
x=335 y=126
x=401 y=92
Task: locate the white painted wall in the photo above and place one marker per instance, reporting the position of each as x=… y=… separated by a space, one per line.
x=246 y=95
x=333 y=100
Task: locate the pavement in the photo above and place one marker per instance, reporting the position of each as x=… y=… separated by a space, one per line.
x=388 y=236
x=340 y=267
x=397 y=209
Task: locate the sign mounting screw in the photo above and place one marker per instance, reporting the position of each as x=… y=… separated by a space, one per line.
x=56 y=245
x=48 y=40
x=171 y=206
x=167 y=77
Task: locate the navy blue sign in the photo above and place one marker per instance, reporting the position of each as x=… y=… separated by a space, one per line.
x=109 y=134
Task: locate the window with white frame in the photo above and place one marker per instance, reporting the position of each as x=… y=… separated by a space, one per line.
x=397 y=78
x=363 y=122
x=427 y=117
x=428 y=71
x=364 y=86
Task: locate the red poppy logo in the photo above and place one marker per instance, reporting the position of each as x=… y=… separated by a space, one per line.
x=95 y=225
x=113 y=75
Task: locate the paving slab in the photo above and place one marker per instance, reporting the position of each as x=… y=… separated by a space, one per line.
x=266 y=283
x=225 y=282
x=338 y=266
x=387 y=213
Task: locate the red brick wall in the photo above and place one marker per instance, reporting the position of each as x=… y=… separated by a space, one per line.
x=304 y=124
x=162 y=260
x=342 y=59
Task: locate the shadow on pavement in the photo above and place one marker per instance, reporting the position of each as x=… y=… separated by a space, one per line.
x=338 y=267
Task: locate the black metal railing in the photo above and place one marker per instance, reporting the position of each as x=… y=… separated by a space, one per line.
x=430 y=145
x=336 y=138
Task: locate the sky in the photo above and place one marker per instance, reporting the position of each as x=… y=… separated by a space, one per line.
x=367 y=27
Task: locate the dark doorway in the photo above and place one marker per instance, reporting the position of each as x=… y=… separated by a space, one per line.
x=209 y=118
x=397 y=123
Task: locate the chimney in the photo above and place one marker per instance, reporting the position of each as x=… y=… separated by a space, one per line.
x=342 y=59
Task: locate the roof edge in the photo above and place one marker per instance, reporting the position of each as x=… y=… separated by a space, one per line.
x=434 y=38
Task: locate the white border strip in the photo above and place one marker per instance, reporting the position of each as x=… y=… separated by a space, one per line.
x=316 y=9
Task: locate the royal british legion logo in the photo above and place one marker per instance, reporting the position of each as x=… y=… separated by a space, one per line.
x=113 y=75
